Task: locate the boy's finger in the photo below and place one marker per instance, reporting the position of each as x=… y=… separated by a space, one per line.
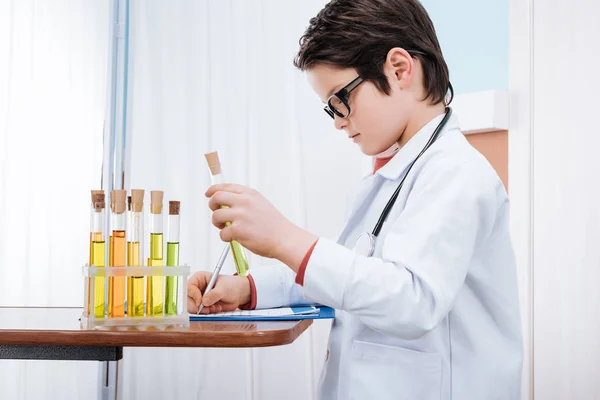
x=195 y=295
x=191 y=306
x=199 y=279
x=209 y=310
x=223 y=215
x=220 y=199
x=214 y=295
x=226 y=187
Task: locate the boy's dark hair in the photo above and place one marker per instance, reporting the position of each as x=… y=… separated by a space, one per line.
x=360 y=33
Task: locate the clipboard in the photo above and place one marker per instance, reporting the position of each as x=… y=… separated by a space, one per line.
x=299 y=313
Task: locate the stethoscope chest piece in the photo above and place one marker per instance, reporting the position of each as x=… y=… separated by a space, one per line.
x=365 y=244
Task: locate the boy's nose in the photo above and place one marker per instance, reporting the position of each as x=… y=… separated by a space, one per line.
x=340 y=123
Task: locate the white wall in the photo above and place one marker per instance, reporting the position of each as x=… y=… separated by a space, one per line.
x=554 y=55
x=520 y=170
x=566 y=199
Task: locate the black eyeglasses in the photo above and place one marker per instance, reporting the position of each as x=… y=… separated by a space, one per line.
x=337 y=104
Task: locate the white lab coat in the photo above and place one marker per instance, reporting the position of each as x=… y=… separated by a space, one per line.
x=434 y=313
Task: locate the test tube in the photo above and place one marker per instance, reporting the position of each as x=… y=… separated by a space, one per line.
x=95 y=303
x=118 y=256
x=239 y=254
x=172 y=256
x=135 y=284
x=154 y=293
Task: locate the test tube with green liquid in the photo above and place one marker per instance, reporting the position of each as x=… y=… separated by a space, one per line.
x=172 y=257
x=239 y=254
x=155 y=289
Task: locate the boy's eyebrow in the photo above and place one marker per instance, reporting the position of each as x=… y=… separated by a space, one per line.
x=334 y=90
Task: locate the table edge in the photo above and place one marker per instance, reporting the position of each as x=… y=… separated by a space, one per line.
x=276 y=337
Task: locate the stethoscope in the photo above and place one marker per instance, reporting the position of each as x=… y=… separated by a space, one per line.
x=365 y=243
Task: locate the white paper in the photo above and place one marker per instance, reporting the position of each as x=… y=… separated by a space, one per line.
x=267 y=312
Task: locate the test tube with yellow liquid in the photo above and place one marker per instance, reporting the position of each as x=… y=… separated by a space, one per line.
x=135 y=229
x=95 y=301
x=172 y=256
x=118 y=255
x=239 y=254
x=155 y=290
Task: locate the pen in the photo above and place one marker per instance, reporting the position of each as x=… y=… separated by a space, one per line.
x=215 y=273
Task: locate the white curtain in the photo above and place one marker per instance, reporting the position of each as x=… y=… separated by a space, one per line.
x=204 y=75
x=219 y=76
x=52 y=94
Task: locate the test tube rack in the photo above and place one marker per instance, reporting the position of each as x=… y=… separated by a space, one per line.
x=181 y=317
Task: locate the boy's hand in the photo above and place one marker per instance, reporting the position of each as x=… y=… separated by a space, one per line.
x=257 y=225
x=228 y=294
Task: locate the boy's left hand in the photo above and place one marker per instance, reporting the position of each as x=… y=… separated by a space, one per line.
x=256 y=224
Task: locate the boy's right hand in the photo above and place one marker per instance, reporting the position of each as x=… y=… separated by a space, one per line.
x=229 y=293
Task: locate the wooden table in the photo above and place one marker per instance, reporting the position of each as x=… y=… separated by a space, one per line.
x=55 y=334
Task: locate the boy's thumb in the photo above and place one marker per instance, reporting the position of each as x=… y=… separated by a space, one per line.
x=212 y=297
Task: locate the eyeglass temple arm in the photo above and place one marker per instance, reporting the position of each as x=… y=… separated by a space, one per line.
x=353 y=84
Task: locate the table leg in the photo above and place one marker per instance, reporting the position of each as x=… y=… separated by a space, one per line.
x=109 y=379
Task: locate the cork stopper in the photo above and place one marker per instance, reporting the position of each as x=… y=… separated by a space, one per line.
x=94 y=192
x=213 y=162
x=137 y=200
x=174 y=207
x=156 y=200
x=98 y=200
x=120 y=197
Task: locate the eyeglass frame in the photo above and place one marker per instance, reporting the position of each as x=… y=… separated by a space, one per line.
x=344 y=93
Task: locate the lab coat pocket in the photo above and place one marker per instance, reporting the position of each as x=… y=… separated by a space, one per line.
x=386 y=372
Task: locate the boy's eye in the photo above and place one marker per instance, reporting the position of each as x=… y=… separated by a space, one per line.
x=339 y=106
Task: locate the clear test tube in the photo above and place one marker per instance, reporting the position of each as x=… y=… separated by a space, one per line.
x=155 y=290
x=135 y=284
x=96 y=285
x=238 y=252
x=118 y=255
x=172 y=257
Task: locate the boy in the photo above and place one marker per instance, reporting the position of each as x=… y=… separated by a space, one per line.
x=423 y=277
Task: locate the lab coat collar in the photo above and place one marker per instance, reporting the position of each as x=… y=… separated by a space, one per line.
x=397 y=165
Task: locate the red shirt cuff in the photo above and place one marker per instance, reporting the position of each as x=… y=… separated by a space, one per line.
x=303 y=264
x=252 y=304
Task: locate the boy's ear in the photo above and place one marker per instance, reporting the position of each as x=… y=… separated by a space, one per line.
x=399 y=65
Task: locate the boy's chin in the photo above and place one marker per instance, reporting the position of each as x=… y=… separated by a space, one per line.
x=373 y=151
x=366 y=150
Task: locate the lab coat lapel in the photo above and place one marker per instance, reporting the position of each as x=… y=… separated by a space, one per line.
x=366 y=194
x=393 y=170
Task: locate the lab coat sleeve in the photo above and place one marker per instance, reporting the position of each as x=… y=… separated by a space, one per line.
x=276 y=287
x=425 y=256
x=276 y=284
